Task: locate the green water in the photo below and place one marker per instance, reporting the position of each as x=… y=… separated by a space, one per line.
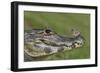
x=61 y=23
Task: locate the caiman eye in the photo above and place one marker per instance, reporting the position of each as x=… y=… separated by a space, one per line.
x=47 y=31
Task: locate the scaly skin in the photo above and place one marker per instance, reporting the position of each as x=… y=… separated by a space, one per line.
x=41 y=42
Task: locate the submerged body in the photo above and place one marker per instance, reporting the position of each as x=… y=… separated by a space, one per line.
x=40 y=42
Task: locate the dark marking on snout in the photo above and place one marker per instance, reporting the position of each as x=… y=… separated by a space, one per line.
x=60 y=49
x=47 y=50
